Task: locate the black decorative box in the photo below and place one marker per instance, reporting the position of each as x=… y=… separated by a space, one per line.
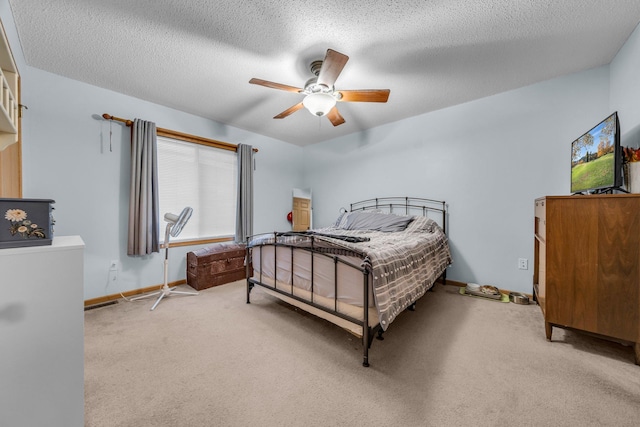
x=25 y=222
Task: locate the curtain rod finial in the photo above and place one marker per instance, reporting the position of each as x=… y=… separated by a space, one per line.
x=110 y=117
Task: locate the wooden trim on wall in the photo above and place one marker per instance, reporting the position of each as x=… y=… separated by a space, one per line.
x=11 y=171
x=113 y=297
x=198 y=242
x=463 y=285
x=20 y=106
x=11 y=160
x=452 y=283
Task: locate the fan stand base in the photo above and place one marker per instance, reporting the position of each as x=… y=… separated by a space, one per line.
x=166 y=291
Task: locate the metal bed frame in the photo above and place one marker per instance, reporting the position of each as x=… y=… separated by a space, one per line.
x=398 y=205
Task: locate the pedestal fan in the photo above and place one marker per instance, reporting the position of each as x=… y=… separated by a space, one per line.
x=175 y=223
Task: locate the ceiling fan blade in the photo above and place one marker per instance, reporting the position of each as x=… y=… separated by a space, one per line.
x=273 y=85
x=367 y=95
x=331 y=67
x=289 y=111
x=335 y=117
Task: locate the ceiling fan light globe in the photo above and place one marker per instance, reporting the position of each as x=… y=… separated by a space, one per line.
x=319 y=104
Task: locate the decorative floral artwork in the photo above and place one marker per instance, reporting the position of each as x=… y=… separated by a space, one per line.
x=22 y=226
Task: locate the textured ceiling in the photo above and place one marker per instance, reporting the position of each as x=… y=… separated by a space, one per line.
x=198 y=56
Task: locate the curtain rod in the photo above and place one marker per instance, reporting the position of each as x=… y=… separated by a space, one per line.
x=175 y=133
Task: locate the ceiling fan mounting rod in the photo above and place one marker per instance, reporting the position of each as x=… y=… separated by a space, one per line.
x=315 y=67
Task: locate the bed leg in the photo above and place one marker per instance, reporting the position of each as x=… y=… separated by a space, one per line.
x=412 y=307
x=380 y=337
x=249 y=287
x=366 y=329
x=365 y=346
x=366 y=343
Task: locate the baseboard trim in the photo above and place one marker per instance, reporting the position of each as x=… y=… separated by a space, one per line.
x=451 y=282
x=463 y=285
x=109 y=298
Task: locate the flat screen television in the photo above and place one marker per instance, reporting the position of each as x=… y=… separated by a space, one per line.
x=596 y=158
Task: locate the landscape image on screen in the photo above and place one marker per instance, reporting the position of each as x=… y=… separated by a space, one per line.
x=593 y=157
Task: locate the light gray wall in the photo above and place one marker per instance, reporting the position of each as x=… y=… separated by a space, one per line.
x=67 y=157
x=625 y=89
x=488 y=159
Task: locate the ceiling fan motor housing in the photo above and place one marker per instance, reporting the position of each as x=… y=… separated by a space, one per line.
x=312 y=86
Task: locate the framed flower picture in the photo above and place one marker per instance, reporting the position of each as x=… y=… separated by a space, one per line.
x=25 y=222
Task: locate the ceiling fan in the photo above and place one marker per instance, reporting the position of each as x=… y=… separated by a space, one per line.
x=320 y=95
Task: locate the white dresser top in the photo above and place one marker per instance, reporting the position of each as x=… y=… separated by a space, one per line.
x=61 y=243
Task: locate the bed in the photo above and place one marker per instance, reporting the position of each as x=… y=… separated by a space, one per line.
x=382 y=254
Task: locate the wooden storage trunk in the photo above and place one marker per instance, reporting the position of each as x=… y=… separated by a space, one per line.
x=215 y=265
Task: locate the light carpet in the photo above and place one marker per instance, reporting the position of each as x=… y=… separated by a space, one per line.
x=213 y=360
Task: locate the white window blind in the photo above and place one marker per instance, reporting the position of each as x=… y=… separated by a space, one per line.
x=202 y=177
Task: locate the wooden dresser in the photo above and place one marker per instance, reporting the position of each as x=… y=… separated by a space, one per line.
x=587 y=264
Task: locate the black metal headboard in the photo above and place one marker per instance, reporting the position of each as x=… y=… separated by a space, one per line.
x=404 y=206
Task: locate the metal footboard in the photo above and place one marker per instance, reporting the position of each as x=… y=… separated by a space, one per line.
x=367 y=331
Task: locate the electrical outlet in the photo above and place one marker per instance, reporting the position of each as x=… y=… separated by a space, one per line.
x=523 y=264
x=113 y=270
x=113 y=275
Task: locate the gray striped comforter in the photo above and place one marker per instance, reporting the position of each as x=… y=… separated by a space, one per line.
x=404 y=264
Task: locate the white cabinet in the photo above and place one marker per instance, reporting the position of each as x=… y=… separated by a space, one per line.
x=42 y=334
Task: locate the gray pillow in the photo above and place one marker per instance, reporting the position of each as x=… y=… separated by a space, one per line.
x=342 y=220
x=377 y=221
x=421 y=224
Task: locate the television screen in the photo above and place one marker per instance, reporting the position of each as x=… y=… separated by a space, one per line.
x=596 y=158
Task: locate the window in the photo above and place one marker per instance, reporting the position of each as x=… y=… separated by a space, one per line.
x=203 y=177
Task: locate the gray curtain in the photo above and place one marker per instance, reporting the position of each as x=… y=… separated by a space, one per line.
x=144 y=217
x=244 y=210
